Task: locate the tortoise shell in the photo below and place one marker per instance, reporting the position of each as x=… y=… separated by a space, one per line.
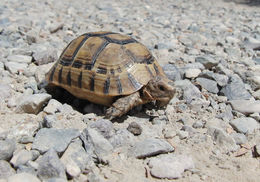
x=99 y=66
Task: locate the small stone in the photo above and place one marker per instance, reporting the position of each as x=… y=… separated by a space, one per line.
x=45 y=56
x=33 y=104
x=183 y=134
x=52 y=106
x=246 y=106
x=50 y=166
x=58 y=139
x=94 y=141
x=208 y=84
x=245 y=125
x=23 y=177
x=7 y=148
x=207 y=61
x=257 y=150
x=222 y=80
x=5 y=91
x=198 y=124
x=75 y=158
x=5 y=170
x=21 y=157
x=20 y=59
x=255 y=94
x=192 y=73
x=226 y=142
x=134 y=128
x=150 y=147
x=239 y=138
x=49 y=121
x=14 y=67
x=235 y=91
x=172 y=72
x=170 y=166
x=104 y=127
x=121 y=138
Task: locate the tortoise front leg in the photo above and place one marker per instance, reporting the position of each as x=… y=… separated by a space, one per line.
x=123 y=105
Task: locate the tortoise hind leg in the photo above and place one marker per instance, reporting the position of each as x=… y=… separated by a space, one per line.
x=123 y=105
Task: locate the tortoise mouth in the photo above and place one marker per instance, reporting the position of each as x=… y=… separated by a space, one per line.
x=163 y=101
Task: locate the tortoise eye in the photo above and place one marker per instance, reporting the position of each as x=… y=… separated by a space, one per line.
x=161 y=88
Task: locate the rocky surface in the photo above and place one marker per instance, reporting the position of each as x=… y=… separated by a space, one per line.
x=210 y=131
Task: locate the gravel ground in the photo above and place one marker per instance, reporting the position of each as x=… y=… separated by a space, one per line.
x=209 y=132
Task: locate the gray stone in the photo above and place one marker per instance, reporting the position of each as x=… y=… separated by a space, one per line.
x=14 y=67
x=221 y=79
x=75 y=158
x=45 y=56
x=222 y=139
x=26 y=169
x=208 y=84
x=33 y=104
x=23 y=177
x=7 y=148
x=170 y=166
x=58 y=139
x=192 y=73
x=257 y=150
x=5 y=170
x=254 y=81
x=52 y=106
x=104 y=127
x=57 y=180
x=5 y=91
x=246 y=106
x=49 y=121
x=207 y=61
x=172 y=72
x=256 y=94
x=50 y=166
x=26 y=139
x=20 y=58
x=134 y=128
x=122 y=137
x=21 y=157
x=183 y=134
x=245 y=125
x=198 y=124
x=150 y=147
x=235 y=91
x=95 y=142
x=239 y=138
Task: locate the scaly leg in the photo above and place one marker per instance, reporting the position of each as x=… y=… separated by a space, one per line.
x=123 y=105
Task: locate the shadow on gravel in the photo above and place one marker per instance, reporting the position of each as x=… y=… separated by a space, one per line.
x=246 y=2
x=85 y=107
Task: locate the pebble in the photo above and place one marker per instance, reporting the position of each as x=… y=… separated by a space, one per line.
x=246 y=106
x=52 y=106
x=239 y=138
x=5 y=170
x=207 y=61
x=50 y=166
x=45 y=56
x=121 y=138
x=170 y=166
x=208 y=84
x=33 y=104
x=7 y=148
x=15 y=67
x=23 y=177
x=58 y=139
x=245 y=125
x=257 y=150
x=256 y=94
x=192 y=73
x=5 y=91
x=198 y=124
x=21 y=157
x=235 y=91
x=134 y=128
x=172 y=72
x=75 y=158
x=104 y=127
x=150 y=147
x=19 y=59
x=183 y=134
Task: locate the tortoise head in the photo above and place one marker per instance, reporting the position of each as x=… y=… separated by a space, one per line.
x=159 y=89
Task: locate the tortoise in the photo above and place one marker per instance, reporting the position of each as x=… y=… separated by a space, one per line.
x=111 y=69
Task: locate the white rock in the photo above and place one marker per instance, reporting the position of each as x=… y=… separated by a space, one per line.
x=14 y=67
x=192 y=73
x=23 y=177
x=246 y=106
x=19 y=58
x=52 y=106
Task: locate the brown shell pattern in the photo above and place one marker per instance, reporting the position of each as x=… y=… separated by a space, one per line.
x=98 y=66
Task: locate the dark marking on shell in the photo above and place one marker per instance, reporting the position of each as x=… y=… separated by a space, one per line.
x=107 y=85
x=88 y=66
x=119 y=70
x=98 y=35
x=79 y=46
x=119 y=85
x=65 y=62
x=102 y=70
x=156 y=69
x=149 y=71
x=69 y=78
x=77 y=64
x=80 y=80
x=121 y=42
x=133 y=81
x=52 y=73
x=92 y=83
x=60 y=75
x=112 y=71
x=95 y=56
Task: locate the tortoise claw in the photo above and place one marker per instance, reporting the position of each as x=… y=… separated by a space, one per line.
x=112 y=113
